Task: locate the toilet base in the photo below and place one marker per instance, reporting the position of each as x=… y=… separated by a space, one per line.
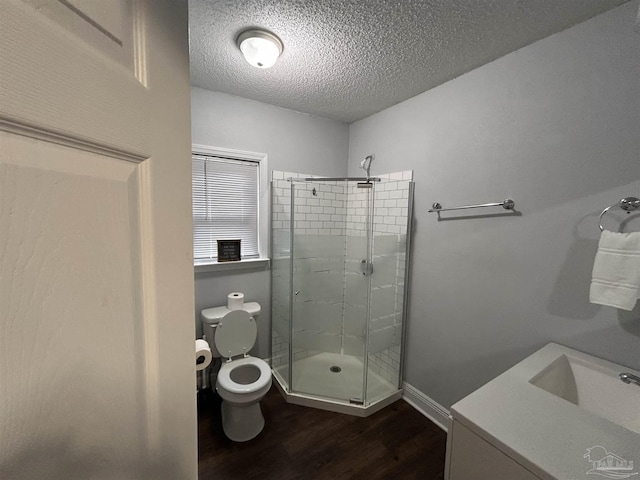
x=241 y=423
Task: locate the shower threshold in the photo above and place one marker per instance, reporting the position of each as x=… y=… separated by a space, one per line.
x=316 y=386
x=332 y=405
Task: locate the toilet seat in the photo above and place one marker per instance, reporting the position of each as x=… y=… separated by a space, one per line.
x=235 y=334
x=224 y=375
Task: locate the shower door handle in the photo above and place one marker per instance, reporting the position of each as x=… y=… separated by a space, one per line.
x=366 y=267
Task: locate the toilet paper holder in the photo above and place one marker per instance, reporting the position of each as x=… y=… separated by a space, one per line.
x=202 y=362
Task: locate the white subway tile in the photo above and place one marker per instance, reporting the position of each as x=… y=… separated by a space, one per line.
x=381 y=340
x=395 y=212
x=353 y=346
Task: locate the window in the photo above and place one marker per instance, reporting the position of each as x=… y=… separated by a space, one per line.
x=229 y=202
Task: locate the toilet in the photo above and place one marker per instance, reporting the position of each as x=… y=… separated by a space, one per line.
x=242 y=380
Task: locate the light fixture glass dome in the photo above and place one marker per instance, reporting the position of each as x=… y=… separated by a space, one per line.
x=260 y=48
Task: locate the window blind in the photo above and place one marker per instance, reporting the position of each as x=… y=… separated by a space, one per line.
x=225 y=205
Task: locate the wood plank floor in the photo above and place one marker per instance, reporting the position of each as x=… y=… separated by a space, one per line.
x=306 y=443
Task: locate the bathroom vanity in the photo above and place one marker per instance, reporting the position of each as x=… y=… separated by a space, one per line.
x=558 y=414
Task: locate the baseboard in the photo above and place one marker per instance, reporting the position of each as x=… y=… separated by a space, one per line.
x=427 y=406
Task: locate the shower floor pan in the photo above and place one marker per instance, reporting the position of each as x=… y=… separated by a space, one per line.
x=317 y=384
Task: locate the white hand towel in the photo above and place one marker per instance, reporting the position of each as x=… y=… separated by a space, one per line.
x=616 y=271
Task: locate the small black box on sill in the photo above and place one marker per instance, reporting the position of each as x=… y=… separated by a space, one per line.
x=228 y=250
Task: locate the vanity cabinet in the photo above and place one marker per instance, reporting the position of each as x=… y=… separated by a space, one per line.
x=470 y=457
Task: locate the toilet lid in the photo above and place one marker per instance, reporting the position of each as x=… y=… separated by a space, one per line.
x=235 y=334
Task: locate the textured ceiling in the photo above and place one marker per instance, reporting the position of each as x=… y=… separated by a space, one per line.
x=347 y=59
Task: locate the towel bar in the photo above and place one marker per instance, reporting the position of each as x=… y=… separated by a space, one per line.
x=628 y=204
x=507 y=204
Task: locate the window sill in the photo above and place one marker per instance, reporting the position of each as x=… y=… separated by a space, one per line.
x=212 y=266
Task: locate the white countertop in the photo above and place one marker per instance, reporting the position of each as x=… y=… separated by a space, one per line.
x=546 y=434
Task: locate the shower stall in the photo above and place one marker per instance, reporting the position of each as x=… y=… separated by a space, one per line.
x=340 y=256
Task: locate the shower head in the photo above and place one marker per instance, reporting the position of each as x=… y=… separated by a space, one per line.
x=366 y=164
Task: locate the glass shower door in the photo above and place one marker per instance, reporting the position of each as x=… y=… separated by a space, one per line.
x=390 y=234
x=281 y=280
x=327 y=358
x=359 y=271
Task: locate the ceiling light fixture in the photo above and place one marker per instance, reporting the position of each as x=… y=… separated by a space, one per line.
x=259 y=47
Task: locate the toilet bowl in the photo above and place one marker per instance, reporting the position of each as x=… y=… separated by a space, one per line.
x=242 y=380
x=242 y=384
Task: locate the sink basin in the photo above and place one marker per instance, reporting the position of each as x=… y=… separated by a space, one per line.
x=594 y=388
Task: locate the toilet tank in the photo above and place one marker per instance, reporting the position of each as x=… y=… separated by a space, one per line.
x=211 y=316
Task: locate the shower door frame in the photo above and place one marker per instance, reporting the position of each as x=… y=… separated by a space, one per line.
x=291 y=260
x=369 y=259
x=407 y=277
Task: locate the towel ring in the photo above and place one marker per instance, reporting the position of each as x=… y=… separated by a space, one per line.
x=628 y=204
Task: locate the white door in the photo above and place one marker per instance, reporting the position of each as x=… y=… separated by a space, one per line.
x=97 y=373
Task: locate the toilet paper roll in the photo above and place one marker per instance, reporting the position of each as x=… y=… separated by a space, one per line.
x=203 y=354
x=235 y=301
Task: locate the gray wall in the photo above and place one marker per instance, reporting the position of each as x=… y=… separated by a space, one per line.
x=556 y=127
x=294 y=142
